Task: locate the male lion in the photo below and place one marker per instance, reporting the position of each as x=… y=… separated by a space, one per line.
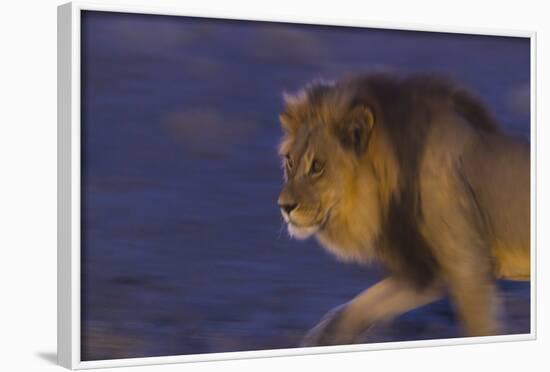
x=415 y=174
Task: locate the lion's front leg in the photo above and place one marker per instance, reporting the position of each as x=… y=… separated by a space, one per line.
x=381 y=302
x=331 y=330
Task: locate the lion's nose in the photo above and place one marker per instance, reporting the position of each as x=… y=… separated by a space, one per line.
x=288 y=207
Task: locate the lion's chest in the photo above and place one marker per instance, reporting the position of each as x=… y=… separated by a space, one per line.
x=348 y=245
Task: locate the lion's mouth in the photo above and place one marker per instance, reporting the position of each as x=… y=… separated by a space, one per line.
x=304 y=231
x=301 y=232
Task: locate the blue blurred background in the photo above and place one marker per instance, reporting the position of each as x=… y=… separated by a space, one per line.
x=183 y=248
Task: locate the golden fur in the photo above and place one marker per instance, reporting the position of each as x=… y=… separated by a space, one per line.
x=412 y=173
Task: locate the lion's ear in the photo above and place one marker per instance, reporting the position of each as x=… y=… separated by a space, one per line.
x=357 y=129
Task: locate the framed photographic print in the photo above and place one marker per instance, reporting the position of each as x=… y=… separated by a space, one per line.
x=235 y=188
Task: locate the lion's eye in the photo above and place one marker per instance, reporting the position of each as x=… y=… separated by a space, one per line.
x=317 y=168
x=289 y=162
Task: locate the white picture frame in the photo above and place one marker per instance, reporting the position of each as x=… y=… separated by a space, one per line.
x=69 y=187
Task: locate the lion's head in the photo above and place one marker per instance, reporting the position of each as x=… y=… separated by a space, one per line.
x=335 y=180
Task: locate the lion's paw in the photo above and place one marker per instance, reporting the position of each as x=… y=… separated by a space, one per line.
x=330 y=331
